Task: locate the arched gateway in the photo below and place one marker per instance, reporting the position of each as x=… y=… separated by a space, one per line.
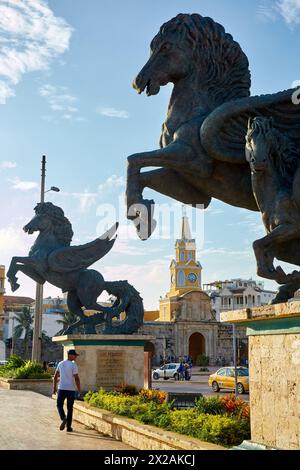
x=196 y=345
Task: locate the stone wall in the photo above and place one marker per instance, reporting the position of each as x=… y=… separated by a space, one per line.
x=275 y=390
x=50 y=351
x=160 y=330
x=225 y=344
x=44 y=387
x=218 y=340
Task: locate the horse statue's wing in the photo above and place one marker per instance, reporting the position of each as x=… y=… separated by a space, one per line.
x=75 y=258
x=224 y=130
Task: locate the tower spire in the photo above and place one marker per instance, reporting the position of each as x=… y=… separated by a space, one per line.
x=185 y=226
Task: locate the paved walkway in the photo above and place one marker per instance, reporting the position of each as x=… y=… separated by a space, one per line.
x=29 y=421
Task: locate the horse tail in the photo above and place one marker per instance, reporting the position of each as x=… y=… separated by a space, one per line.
x=132 y=305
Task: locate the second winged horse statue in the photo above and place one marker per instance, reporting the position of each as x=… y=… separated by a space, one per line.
x=52 y=259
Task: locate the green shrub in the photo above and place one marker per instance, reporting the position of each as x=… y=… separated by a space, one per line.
x=208 y=421
x=202 y=360
x=14 y=362
x=17 y=368
x=209 y=405
x=158 y=396
x=126 y=389
x=219 y=429
x=31 y=370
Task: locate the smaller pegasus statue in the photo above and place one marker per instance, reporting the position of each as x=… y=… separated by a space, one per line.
x=52 y=259
x=274 y=160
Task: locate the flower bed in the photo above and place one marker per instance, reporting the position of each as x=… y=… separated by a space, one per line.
x=223 y=421
x=17 y=368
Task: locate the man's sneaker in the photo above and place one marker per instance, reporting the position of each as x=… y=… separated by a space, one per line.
x=63 y=424
x=69 y=430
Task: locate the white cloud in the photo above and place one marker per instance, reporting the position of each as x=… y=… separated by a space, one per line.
x=113 y=113
x=289 y=10
x=13 y=241
x=266 y=12
x=59 y=100
x=23 y=185
x=7 y=165
x=31 y=36
x=112 y=182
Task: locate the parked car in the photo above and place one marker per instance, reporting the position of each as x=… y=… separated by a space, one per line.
x=2 y=363
x=168 y=371
x=224 y=378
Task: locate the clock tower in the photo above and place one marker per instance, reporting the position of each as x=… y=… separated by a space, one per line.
x=185 y=270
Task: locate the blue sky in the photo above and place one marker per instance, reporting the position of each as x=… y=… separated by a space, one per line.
x=66 y=68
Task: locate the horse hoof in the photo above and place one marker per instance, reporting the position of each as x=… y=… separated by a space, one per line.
x=15 y=287
x=144 y=231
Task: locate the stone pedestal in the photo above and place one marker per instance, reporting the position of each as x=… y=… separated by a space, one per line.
x=106 y=361
x=274 y=372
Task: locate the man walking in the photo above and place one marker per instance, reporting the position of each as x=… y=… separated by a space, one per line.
x=67 y=373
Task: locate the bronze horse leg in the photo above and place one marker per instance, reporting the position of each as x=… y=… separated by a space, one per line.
x=25 y=264
x=75 y=306
x=176 y=156
x=280 y=234
x=174 y=185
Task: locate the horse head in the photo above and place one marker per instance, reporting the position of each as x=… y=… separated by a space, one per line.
x=50 y=218
x=269 y=149
x=189 y=46
x=260 y=143
x=39 y=223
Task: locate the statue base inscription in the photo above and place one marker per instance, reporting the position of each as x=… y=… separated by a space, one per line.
x=106 y=361
x=274 y=373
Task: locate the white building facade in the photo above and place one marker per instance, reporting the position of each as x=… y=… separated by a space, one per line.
x=237 y=294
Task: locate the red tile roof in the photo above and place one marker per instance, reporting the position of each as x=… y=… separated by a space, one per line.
x=13 y=299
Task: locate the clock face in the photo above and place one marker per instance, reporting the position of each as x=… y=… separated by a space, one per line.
x=192 y=277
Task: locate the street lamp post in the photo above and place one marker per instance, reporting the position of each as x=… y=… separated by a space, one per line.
x=38 y=314
x=235 y=360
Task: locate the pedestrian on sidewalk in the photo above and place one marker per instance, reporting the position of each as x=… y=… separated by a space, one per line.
x=67 y=374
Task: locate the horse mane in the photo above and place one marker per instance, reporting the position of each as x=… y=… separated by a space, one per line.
x=223 y=66
x=285 y=153
x=62 y=228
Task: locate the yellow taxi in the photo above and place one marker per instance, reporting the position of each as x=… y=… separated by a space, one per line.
x=224 y=378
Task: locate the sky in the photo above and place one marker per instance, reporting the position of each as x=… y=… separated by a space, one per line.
x=66 y=68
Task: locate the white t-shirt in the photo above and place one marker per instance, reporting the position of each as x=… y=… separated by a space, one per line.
x=67 y=369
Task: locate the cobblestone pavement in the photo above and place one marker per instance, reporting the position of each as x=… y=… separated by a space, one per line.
x=29 y=421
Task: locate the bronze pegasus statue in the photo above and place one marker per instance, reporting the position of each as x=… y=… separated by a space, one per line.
x=202 y=145
x=52 y=259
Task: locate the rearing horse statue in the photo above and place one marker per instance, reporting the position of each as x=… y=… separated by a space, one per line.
x=202 y=146
x=275 y=170
x=52 y=259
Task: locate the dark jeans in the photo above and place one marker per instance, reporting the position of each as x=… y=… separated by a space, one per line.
x=61 y=396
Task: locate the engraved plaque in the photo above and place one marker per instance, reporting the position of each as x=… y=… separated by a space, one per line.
x=110 y=369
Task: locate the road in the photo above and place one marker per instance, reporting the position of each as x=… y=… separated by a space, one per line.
x=192 y=386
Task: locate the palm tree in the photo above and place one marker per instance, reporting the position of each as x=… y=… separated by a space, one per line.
x=25 y=320
x=67 y=320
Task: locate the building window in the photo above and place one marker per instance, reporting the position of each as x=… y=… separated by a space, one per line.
x=190 y=255
x=182 y=256
x=181 y=278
